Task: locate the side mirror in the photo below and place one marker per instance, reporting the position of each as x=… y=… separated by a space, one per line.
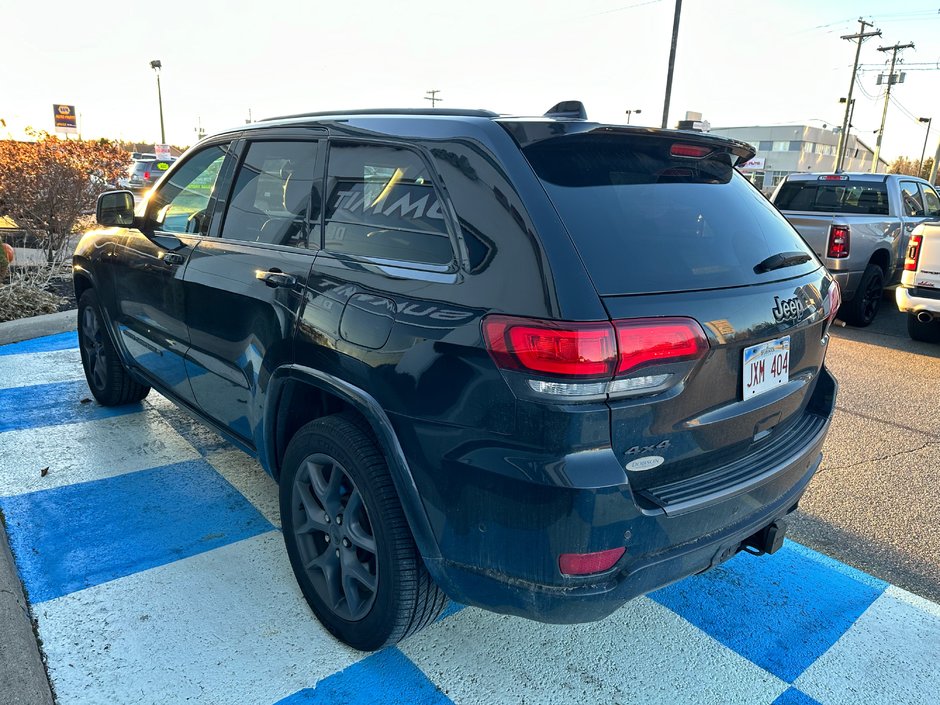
x=115 y=208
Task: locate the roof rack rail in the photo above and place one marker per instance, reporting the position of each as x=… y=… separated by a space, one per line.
x=451 y=112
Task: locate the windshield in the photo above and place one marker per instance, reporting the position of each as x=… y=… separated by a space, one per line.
x=644 y=221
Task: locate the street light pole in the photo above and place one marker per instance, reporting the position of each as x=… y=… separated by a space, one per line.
x=920 y=164
x=631 y=112
x=156 y=65
x=672 y=62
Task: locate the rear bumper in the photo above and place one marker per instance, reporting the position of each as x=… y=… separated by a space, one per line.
x=909 y=303
x=660 y=549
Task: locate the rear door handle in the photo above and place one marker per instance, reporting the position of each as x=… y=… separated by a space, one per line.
x=173 y=258
x=274 y=279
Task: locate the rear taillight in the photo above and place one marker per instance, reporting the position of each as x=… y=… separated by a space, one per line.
x=591 y=359
x=563 y=349
x=838 y=242
x=833 y=302
x=913 y=253
x=147 y=176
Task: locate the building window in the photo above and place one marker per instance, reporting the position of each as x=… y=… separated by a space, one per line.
x=756 y=178
x=766 y=146
x=795 y=145
x=781 y=147
x=776 y=177
x=808 y=146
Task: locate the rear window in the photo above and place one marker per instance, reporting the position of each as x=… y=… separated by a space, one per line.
x=863 y=198
x=645 y=222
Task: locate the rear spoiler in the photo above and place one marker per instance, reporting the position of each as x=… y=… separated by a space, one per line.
x=527 y=131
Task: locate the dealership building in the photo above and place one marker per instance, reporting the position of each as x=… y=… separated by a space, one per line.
x=785 y=149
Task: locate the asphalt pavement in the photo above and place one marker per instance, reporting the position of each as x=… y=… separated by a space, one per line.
x=875 y=503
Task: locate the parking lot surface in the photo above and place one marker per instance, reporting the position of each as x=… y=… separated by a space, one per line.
x=151 y=553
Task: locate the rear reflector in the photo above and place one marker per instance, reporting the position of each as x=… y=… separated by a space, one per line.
x=838 y=242
x=689 y=150
x=587 y=563
x=147 y=175
x=913 y=253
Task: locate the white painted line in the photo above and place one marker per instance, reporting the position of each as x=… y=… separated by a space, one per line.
x=27 y=369
x=227 y=626
x=889 y=655
x=247 y=476
x=90 y=450
x=644 y=653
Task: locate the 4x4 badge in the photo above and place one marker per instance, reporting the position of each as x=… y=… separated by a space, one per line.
x=635 y=450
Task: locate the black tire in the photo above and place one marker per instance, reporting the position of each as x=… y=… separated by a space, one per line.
x=347 y=538
x=925 y=332
x=106 y=375
x=862 y=308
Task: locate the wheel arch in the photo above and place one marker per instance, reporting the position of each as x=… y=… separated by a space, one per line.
x=882 y=258
x=296 y=387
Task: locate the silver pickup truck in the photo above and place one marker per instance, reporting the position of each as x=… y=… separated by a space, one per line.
x=859 y=226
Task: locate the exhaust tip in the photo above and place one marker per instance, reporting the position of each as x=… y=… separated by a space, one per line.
x=924 y=316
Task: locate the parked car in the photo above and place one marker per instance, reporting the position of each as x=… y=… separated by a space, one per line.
x=859 y=225
x=919 y=293
x=144 y=173
x=538 y=365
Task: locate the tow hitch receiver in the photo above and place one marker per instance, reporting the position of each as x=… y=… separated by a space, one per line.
x=767 y=540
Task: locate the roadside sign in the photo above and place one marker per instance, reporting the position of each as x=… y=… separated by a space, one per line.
x=162 y=151
x=755 y=163
x=65 y=118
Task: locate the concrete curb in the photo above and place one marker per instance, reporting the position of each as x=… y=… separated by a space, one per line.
x=26 y=328
x=23 y=679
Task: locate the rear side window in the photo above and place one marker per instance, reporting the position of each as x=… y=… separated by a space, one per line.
x=863 y=198
x=274 y=186
x=910 y=199
x=382 y=203
x=645 y=221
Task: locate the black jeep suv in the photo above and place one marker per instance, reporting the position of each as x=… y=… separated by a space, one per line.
x=537 y=365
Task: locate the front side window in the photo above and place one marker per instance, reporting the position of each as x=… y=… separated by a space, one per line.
x=911 y=200
x=275 y=184
x=180 y=204
x=382 y=203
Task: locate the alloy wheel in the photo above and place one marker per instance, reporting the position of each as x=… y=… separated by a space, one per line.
x=334 y=537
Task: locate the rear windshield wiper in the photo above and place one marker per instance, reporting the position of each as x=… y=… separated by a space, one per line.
x=781 y=260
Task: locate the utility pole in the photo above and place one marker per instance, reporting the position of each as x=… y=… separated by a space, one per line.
x=861 y=35
x=432 y=96
x=884 y=115
x=672 y=62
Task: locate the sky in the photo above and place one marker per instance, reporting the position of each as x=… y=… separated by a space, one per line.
x=738 y=62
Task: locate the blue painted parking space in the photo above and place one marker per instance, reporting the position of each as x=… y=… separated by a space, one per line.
x=151 y=553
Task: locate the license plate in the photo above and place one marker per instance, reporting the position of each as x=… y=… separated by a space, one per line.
x=766 y=365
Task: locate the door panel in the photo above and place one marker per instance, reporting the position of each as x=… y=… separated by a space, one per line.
x=240 y=325
x=149 y=283
x=243 y=290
